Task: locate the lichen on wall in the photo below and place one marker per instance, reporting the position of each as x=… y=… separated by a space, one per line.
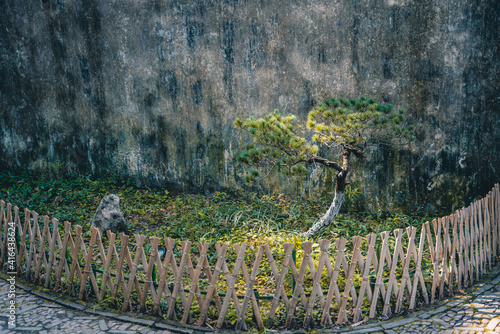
x=150 y=89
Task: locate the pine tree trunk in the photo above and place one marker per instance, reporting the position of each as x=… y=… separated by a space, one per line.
x=338 y=200
x=327 y=218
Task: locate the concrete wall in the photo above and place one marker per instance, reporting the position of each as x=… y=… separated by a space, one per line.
x=151 y=88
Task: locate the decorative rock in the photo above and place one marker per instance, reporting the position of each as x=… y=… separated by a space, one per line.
x=108 y=215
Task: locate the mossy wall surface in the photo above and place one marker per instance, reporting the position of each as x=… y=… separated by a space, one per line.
x=150 y=89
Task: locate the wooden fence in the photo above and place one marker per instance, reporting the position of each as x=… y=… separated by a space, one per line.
x=241 y=286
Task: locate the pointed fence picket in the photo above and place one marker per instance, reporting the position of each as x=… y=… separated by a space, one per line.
x=331 y=282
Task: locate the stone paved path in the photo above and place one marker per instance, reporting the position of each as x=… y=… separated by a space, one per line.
x=39 y=315
x=477 y=312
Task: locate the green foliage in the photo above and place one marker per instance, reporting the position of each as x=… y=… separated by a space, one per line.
x=219 y=217
x=357 y=122
x=354 y=201
x=276 y=144
x=347 y=125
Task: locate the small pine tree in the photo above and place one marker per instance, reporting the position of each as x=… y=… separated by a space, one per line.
x=346 y=126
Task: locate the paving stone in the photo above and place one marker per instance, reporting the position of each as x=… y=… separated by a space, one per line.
x=172 y=328
x=470 y=329
x=454 y=303
x=53 y=324
x=366 y=330
x=399 y=323
x=441 y=321
x=492 y=324
x=102 y=325
x=140 y=321
x=28 y=329
x=72 y=305
x=433 y=312
x=26 y=309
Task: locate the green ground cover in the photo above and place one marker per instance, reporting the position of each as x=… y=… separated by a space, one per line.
x=217 y=217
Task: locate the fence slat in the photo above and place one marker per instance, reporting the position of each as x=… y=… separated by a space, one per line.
x=106 y=258
x=249 y=294
x=365 y=284
x=162 y=281
x=149 y=265
x=316 y=289
x=379 y=281
x=454 y=274
x=213 y=282
x=23 y=248
x=132 y=277
x=444 y=277
x=405 y=280
x=333 y=289
x=52 y=258
x=87 y=271
x=178 y=274
x=299 y=287
x=393 y=285
x=5 y=220
x=279 y=278
x=194 y=283
x=40 y=253
x=231 y=281
x=348 y=282
x=418 y=277
x=16 y=226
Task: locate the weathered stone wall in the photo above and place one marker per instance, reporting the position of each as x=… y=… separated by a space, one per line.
x=151 y=88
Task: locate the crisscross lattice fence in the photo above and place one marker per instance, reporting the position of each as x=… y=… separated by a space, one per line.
x=222 y=285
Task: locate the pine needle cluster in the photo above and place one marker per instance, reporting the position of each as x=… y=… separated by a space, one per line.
x=280 y=142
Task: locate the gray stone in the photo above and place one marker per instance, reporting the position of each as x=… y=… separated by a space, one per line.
x=399 y=323
x=140 y=321
x=108 y=215
x=366 y=330
x=492 y=324
x=454 y=303
x=102 y=325
x=104 y=314
x=28 y=329
x=440 y=321
x=483 y=289
x=470 y=329
x=431 y=313
x=26 y=309
x=53 y=324
x=172 y=328
x=390 y=331
x=72 y=305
